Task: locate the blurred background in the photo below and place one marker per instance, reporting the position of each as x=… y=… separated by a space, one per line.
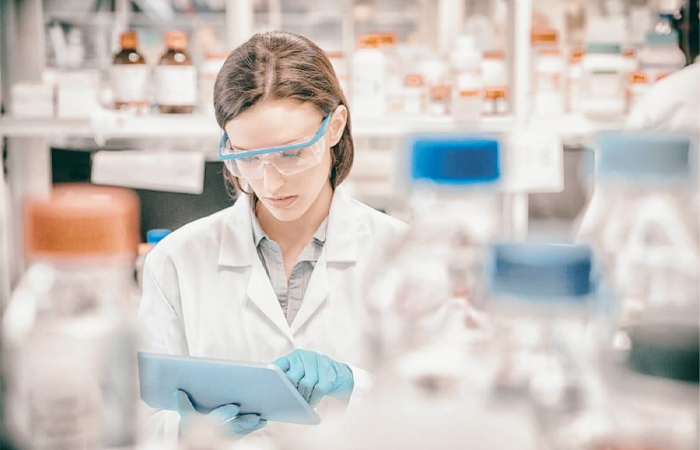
x=594 y=107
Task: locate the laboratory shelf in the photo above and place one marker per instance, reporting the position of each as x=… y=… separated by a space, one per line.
x=110 y=125
x=113 y=126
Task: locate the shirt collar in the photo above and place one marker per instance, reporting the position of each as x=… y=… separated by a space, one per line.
x=259 y=234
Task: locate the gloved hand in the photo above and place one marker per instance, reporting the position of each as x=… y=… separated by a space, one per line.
x=226 y=416
x=316 y=375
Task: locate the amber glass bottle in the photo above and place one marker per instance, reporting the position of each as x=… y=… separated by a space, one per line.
x=176 y=77
x=130 y=75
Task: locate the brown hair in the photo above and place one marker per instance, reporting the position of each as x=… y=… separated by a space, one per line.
x=280 y=65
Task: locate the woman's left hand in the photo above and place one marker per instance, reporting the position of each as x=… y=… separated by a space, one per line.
x=316 y=376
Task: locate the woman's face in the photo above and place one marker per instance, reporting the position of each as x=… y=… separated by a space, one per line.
x=273 y=123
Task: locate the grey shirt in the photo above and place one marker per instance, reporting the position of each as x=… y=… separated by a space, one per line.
x=289 y=294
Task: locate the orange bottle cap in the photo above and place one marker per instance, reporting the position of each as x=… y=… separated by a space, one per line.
x=176 y=40
x=493 y=54
x=440 y=92
x=129 y=40
x=638 y=78
x=413 y=80
x=387 y=38
x=82 y=220
x=543 y=36
x=468 y=93
x=576 y=55
x=368 y=41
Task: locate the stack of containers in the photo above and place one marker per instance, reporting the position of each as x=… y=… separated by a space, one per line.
x=69 y=331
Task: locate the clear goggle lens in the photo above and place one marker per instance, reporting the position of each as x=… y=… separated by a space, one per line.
x=287 y=162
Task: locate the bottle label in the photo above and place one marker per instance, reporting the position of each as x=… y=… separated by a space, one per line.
x=176 y=85
x=130 y=83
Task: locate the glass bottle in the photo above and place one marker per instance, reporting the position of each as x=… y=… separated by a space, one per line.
x=176 y=77
x=541 y=304
x=130 y=75
x=70 y=329
x=428 y=287
x=642 y=220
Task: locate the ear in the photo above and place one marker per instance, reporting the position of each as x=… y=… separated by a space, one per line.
x=336 y=127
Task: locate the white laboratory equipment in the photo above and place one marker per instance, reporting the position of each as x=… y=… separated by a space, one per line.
x=603 y=80
x=643 y=222
x=70 y=337
x=467 y=84
x=428 y=288
x=369 y=79
x=540 y=305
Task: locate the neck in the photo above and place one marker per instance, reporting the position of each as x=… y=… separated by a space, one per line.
x=301 y=230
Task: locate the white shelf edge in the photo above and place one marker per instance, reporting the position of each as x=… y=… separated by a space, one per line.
x=199 y=126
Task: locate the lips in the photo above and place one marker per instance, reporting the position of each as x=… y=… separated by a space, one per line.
x=281 y=202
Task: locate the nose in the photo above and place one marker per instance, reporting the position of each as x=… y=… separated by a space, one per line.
x=272 y=179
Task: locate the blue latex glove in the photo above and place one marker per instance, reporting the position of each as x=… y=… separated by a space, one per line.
x=316 y=376
x=227 y=416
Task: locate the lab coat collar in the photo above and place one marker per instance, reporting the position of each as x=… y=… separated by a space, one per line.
x=343 y=229
x=238 y=245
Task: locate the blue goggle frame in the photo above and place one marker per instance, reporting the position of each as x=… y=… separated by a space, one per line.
x=319 y=134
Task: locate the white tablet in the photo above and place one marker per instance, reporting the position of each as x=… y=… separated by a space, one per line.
x=257 y=388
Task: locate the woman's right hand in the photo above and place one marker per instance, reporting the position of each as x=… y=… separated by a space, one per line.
x=226 y=416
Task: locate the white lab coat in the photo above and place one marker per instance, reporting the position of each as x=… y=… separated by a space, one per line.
x=206 y=293
x=672 y=104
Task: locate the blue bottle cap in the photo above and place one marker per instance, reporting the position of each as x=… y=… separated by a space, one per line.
x=155 y=236
x=643 y=154
x=542 y=271
x=454 y=159
x=659 y=39
x=603 y=48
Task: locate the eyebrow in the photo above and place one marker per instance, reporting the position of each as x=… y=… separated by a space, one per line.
x=294 y=141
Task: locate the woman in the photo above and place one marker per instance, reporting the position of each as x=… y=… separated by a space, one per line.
x=279 y=275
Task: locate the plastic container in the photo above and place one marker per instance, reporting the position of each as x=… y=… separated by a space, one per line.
x=428 y=287
x=414 y=95
x=603 y=82
x=495 y=79
x=340 y=66
x=467 y=90
x=642 y=221
x=70 y=330
x=573 y=82
x=638 y=86
x=540 y=301
x=394 y=72
x=661 y=55
x=207 y=78
x=549 y=83
x=369 y=69
x=130 y=75
x=176 y=77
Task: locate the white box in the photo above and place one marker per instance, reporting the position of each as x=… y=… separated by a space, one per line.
x=32 y=99
x=77 y=93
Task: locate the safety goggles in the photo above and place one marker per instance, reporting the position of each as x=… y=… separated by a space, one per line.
x=287 y=159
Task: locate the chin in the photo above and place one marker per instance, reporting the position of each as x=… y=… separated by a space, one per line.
x=288 y=214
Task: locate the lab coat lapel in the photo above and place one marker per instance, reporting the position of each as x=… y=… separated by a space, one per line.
x=261 y=293
x=316 y=294
x=340 y=249
x=238 y=250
